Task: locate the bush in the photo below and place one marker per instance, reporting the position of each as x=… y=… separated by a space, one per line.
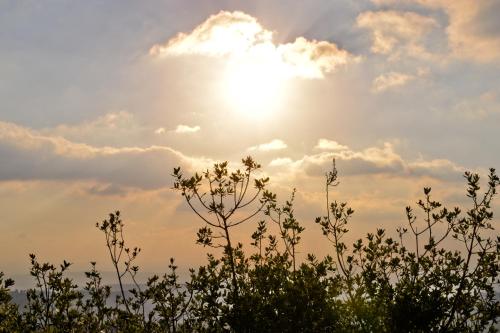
x=410 y=283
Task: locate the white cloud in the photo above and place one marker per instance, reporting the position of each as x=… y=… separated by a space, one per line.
x=222 y=34
x=181 y=129
x=275 y=144
x=239 y=37
x=325 y=144
x=281 y=161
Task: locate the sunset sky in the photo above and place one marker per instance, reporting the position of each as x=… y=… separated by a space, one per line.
x=99 y=100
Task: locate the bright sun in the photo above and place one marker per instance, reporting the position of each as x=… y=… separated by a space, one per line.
x=254 y=88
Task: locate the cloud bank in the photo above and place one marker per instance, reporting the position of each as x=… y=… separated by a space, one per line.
x=369 y=161
x=30 y=155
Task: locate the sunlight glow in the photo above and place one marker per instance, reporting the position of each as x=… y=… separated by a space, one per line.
x=255 y=82
x=253 y=88
x=258 y=68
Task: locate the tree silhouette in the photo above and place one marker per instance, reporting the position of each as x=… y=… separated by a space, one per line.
x=224 y=196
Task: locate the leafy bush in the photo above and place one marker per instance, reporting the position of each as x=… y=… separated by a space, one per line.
x=410 y=283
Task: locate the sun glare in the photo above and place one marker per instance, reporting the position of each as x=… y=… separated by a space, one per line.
x=254 y=87
x=258 y=69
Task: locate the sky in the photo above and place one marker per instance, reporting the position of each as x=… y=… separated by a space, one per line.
x=100 y=100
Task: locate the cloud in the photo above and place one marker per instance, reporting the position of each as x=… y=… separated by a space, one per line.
x=275 y=144
x=105 y=128
x=222 y=34
x=485 y=105
x=473 y=28
x=181 y=129
x=240 y=37
x=439 y=168
x=107 y=190
x=390 y=80
x=325 y=144
x=396 y=33
x=282 y=161
x=160 y=130
x=393 y=80
x=372 y=160
x=29 y=155
x=25 y=139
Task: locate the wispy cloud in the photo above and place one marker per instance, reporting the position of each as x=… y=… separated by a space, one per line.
x=396 y=33
x=394 y=80
x=160 y=130
x=480 y=107
x=108 y=128
x=473 y=28
x=391 y=80
x=239 y=36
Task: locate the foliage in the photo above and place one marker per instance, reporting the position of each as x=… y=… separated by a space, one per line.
x=9 y=316
x=439 y=274
x=54 y=304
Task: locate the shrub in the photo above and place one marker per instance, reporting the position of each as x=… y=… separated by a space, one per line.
x=411 y=283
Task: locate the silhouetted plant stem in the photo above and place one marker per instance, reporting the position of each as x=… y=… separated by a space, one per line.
x=115 y=242
x=230 y=252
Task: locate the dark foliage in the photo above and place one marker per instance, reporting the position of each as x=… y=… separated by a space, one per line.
x=411 y=283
